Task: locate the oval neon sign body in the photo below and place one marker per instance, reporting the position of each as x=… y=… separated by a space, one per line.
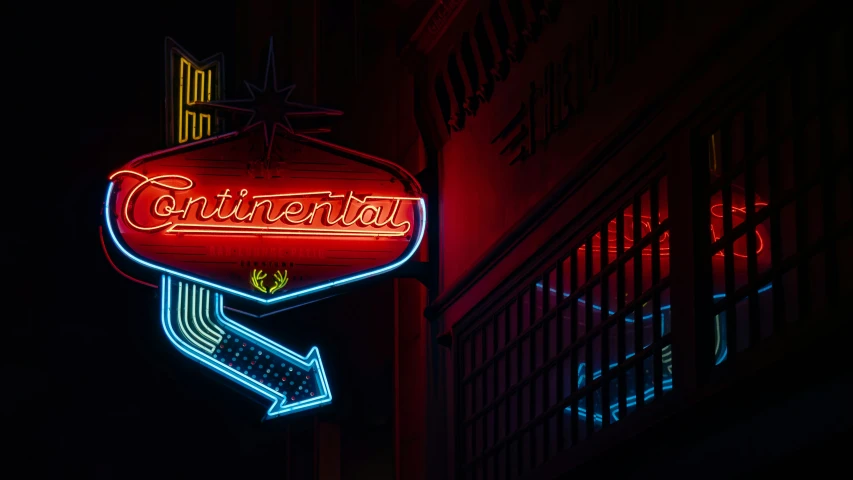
x=315 y=217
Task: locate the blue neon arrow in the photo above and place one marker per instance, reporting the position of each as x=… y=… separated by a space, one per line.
x=292 y=382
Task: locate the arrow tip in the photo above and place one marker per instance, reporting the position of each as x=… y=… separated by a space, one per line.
x=324 y=396
x=314 y=357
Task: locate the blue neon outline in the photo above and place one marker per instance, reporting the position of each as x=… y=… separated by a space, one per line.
x=312 y=358
x=662 y=308
x=717 y=296
x=413 y=247
x=666 y=385
x=280 y=405
x=648 y=394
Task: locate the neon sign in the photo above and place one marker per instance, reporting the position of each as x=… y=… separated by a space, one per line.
x=190 y=82
x=196 y=212
x=262 y=215
x=195 y=323
x=327 y=215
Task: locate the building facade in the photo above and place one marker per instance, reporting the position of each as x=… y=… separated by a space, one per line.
x=635 y=209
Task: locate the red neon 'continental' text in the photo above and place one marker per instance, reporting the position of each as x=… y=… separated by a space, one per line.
x=305 y=213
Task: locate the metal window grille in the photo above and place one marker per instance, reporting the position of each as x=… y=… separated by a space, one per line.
x=779 y=189
x=578 y=349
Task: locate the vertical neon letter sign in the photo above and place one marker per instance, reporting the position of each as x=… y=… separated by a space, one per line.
x=216 y=227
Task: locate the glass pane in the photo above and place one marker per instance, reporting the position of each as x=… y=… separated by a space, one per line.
x=478 y=349
x=539 y=437
x=715 y=162
x=814 y=223
x=513 y=320
x=613 y=346
x=816 y=278
x=739 y=251
x=490 y=340
x=664 y=255
x=610 y=246
x=501 y=375
x=598 y=410
x=762 y=184
x=742 y=319
x=513 y=366
x=612 y=293
x=648 y=379
x=539 y=347
x=716 y=206
x=666 y=320
x=629 y=281
x=580 y=319
x=568 y=386
x=513 y=412
x=663 y=200
x=596 y=305
x=785 y=166
x=595 y=240
x=581 y=266
x=630 y=329
x=552 y=387
x=788 y=227
x=792 y=305
x=614 y=400
x=567 y=276
x=759 y=121
x=552 y=289
x=513 y=459
x=720 y=342
x=628 y=227
x=553 y=431
x=566 y=319
x=489 y=379
x=631 y=389
x=500 y=321
x=718 y=276
x=501 y=420
x=540 y=298
x=762 y=246
x=538 y=395
x=552 y=337
x=666 y=365
x=765 y=309
x=737 y=138
x=596 y=356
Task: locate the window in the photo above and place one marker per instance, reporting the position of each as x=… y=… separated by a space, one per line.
x=780 y=203
x=578 y=348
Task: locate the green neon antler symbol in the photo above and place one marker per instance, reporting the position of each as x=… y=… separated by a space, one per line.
x=280 y=281
x=258 y=277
